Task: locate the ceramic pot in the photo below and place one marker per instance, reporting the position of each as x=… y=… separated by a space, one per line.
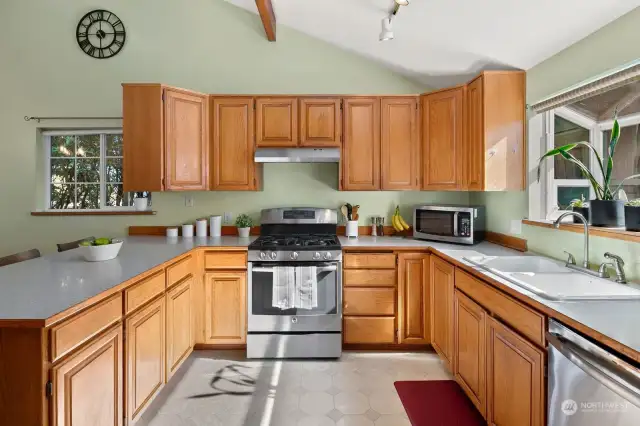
x=584 y=211
x=140 y=204
x=632 y=218
x=244 y=232
x=607 y=213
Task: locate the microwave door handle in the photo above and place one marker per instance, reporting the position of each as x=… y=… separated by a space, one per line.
x=455 y=224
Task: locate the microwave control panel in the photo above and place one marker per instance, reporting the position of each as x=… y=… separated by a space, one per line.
x=465 y=226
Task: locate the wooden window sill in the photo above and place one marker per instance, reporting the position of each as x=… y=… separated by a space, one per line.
x=95 y=213
x=614 y=233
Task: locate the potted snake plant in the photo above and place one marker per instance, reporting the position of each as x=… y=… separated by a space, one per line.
x=632 y=215
x=580 y=205
x=606 y=209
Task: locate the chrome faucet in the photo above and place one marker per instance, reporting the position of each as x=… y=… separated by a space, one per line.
x=556 y=224
x=618 y=265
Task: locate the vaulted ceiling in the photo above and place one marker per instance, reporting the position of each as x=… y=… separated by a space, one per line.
x=444 y=42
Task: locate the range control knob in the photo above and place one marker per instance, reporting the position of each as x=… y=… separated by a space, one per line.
x=316 y=256
x=327 y=256
x=263 y=255
x=273 y=255
x=293 y=255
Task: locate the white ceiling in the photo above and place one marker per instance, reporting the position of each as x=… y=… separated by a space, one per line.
x=444 y=42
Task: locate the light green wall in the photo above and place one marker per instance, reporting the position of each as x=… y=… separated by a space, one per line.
x=610 y=47
x=205 y=45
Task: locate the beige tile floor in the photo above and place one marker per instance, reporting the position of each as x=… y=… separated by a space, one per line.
x=222 y=388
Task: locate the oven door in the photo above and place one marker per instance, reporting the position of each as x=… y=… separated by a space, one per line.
x=443 y=224
x=265 y=317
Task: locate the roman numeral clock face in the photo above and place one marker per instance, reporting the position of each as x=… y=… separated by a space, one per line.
x=100 y=34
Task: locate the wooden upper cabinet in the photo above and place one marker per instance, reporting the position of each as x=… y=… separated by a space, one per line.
x=442 y=293
x=88 y=385
x=413 y=298
x=400 y=150
x=320 y=122
x=361 y=148
x=277 y=122
x=442 y=140
x=470 y=350
x=225 y=307
x=515 y=378
x=495 y=132
x=186 y=140
x=232 y=165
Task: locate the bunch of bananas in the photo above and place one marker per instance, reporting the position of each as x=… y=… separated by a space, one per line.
x=399 y=224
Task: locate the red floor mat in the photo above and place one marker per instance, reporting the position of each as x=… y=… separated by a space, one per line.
x=437 y=403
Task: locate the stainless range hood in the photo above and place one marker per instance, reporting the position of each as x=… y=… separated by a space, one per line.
x=297 y=155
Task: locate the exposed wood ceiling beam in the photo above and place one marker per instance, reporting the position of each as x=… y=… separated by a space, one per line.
x=265 y=8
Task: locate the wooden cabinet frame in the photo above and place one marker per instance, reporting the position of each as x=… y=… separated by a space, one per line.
x=414 y=318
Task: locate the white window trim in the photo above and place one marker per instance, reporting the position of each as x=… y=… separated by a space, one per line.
x=47 y=134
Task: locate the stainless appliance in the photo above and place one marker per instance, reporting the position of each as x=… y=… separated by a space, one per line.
x=297 y=155
x=588 y=385
x=449 y=223
x=292 y=239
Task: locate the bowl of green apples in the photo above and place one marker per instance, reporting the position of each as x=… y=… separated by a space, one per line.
x=100 y=249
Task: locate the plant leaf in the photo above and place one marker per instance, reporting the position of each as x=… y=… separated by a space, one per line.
x=624 y=180
x=600 y=193
x=615 y=136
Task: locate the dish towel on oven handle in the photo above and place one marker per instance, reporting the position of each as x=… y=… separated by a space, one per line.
x=306 y=294
x=284 y=287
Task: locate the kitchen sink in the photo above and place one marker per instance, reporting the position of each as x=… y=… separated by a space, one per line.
x=553 y=281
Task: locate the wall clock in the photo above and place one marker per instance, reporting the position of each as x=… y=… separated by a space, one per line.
x=100 y=34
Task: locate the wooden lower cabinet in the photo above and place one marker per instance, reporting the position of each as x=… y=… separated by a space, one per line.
x=180 y=325
x=413 y=298
x=441 y=292
x=515 y=378
x=88 y=385
x=369 y=330
x=225 y=314
x=470 y=350
x=145 y=351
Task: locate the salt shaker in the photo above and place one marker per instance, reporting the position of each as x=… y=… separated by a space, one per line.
x=374 y=230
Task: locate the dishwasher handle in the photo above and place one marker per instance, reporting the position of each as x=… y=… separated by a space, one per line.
x=616 y=376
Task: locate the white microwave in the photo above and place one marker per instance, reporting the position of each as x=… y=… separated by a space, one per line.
x=449 y=223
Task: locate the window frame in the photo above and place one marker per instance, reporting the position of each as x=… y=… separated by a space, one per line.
x=47 y=134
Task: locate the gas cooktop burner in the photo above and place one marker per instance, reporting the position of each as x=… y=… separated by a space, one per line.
x=289 y=242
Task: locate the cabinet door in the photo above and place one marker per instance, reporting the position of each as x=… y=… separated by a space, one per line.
x=442 y=160
x=399 y=145
x=474 y=168
x=186 y=137
x=442 y=288
x=232 y=165
x=361 y=150
x=277 y=122
x=88 y=385
x=145 y=348
x=515 y=378
x=320 y=122
x=226 y=307
x=413 y=298
x=470 y=353
x=180 y=332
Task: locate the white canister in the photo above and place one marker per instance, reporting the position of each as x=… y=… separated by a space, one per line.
x=201 y=228
x=140 y=204
x=352 y=229
x=172 y=232
x=215 y=225
x=187 y=231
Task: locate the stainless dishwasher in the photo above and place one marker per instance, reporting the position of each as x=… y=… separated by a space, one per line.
x=588 y=385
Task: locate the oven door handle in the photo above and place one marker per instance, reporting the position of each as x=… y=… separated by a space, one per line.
x=329 y=268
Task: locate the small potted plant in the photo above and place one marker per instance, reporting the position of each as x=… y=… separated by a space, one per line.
x=580 y=205
x=141 y=201
x=632 y=215
x=243 y=223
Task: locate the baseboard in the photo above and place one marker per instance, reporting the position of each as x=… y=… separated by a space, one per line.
x=386 y=347
x=213 y=346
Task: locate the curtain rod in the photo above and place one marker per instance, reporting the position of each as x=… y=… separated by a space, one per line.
x=27 y=118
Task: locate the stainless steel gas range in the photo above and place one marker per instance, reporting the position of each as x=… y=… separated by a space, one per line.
x=295 y=285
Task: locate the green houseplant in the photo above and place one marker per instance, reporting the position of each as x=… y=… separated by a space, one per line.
x=580 y=205
x=605 y=209
x=243 y=223
x=632 y=215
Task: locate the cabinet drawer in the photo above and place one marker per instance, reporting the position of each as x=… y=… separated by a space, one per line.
x=369 y=301
x=369 y=278
x=80 y=328
x=225 y=260
x=179 y=271
x=522 y=318
x=369 y=330
x=370 y=260
x=143 y=291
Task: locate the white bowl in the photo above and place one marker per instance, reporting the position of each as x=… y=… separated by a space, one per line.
x=101 y=253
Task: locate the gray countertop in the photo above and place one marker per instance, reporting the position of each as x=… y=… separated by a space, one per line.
x=40 y=288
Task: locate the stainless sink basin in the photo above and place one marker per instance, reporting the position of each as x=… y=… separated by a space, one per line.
x=553 y=281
